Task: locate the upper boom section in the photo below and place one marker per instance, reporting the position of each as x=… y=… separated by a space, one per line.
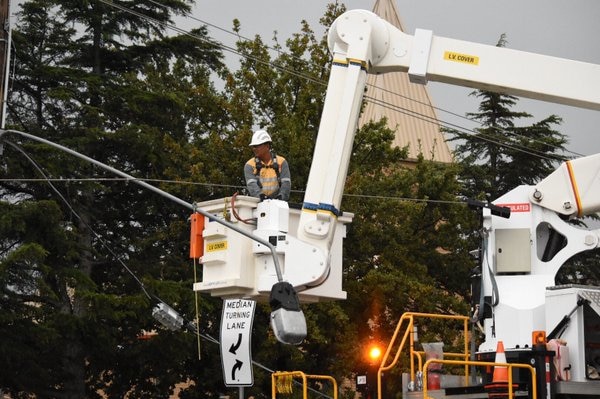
x=364 y=36
x=362 y=43
x=573 y=189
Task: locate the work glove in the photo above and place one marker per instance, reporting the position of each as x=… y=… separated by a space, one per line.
x=263 y=197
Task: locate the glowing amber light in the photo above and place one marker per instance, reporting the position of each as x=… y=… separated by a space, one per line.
x=374 y=353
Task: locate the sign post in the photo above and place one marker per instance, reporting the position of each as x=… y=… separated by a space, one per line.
x=236 y=334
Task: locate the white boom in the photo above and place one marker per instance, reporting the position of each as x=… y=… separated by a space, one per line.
x=361 y=43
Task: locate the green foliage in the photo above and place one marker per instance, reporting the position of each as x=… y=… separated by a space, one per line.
x=134 y=100
x=407 y=249
x=80 y=272
x=501 y=155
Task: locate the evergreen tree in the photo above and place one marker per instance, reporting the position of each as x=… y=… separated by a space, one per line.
x=500 y=155
x=407 y=250
x=119 y=91
x=399 y=255
x=109 y=84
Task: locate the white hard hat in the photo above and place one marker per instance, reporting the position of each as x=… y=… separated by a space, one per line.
x=259 y=137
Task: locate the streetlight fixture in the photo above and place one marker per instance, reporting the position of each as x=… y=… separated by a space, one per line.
x=374 y=354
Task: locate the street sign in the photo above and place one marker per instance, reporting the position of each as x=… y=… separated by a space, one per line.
x=236 y=334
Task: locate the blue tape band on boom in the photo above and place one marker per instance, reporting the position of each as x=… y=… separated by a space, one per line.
x=309 y=206
x=329 y=208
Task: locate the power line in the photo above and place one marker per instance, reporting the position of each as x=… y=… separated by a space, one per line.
x=415 y=114
x=513 y=146
x=187 y=324
x=212 y=185
x=202 y=39
x=117 y=179
x=81 y=220
x=464 y=117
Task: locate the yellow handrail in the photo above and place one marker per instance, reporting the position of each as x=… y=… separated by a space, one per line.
x=409 y=317
x=416 y=356
x=304 y=377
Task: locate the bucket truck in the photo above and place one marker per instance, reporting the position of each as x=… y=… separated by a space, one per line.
x=521 y=254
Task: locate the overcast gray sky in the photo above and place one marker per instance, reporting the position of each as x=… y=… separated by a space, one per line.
x=567 y=29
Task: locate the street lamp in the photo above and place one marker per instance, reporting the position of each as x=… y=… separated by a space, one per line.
x=374 y=354
x=366 y=383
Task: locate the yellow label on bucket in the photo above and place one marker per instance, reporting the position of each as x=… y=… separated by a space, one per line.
x=216 y=246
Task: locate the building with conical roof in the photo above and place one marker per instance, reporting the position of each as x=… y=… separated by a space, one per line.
x=406 y=105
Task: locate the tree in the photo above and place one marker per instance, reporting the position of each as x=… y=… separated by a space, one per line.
x=407 y=250
x=106 y=83
x=400 y=255
x=154 y=113
x=501 y=155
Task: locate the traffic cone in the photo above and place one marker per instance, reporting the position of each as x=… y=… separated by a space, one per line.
x=498 y=389
x=500 y=372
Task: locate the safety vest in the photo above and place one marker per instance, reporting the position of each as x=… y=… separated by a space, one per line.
x=267 y=175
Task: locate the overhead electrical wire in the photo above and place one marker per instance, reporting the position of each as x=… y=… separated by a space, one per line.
x=78 y=217
x=481 y=136
x=187 y=324
x=456 y=115
x=415 y=114
x=514 y=146
x=208 y=41
x=386 y=104
x=116 y=179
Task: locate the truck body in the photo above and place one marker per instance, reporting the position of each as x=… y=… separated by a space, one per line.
x=520 y=254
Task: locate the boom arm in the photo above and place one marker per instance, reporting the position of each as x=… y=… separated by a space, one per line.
x=572 y=189
x=361 y=43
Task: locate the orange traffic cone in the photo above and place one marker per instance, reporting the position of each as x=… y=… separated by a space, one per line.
x=500 y=372
x=498 y=389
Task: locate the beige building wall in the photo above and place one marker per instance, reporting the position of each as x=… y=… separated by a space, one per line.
x=406 y=105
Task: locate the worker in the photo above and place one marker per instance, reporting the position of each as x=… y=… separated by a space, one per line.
x=267 y=174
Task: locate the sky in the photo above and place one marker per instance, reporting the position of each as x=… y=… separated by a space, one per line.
x=559 y=28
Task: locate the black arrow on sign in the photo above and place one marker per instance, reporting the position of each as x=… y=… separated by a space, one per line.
x=234 y=347
x=238 y=365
